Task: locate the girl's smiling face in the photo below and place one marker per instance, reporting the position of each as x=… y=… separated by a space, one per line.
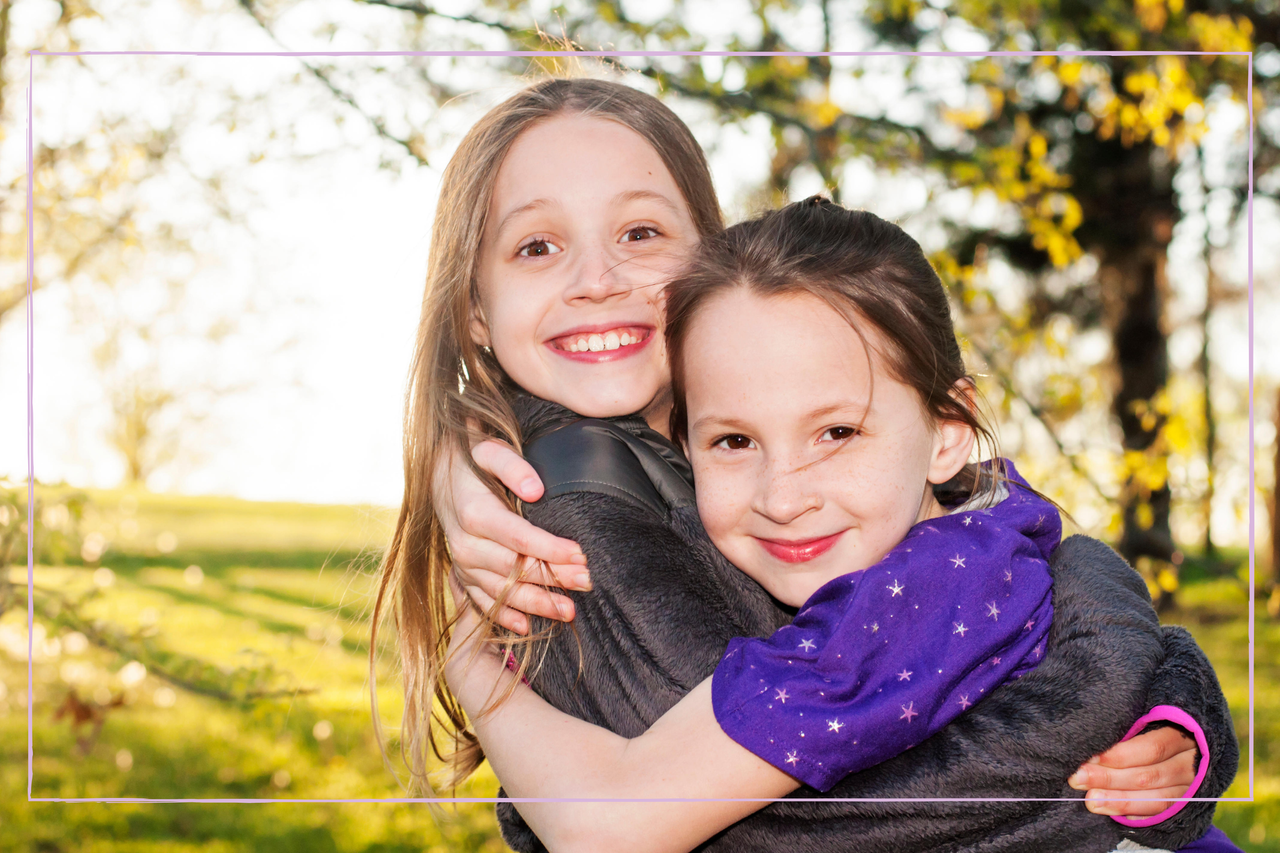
x=803 y=473
x=585 y=227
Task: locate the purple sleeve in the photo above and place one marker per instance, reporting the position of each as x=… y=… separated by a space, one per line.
x=879 y=660
x=1213 y=841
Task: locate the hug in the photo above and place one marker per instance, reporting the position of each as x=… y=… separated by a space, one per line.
x=812 y=577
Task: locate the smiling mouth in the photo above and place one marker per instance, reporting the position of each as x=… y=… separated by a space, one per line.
x=801 y=550
x=612 y=339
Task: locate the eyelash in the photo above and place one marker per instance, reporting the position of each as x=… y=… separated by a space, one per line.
x=654 y=232
x=854 y=432
x=722 y=439
x=540 y=240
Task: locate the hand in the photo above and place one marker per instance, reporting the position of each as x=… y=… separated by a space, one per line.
x=1158 y=764
x=487 y=540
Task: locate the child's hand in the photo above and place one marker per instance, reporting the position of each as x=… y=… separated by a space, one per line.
x=487 y=540
x=1132 y=777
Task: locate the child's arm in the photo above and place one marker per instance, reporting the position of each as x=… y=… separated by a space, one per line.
x=538 y=751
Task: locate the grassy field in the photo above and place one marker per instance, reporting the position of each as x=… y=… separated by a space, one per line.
x=237 y=600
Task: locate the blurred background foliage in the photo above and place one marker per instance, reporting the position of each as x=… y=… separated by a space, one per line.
x=1088 y=214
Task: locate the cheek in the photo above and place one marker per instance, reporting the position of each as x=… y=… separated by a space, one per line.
x=722 y=497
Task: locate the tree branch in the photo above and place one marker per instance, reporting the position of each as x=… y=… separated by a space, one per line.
x=1006 y=382
x=376 y=123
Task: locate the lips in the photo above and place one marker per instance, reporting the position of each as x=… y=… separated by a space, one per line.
x=601 y=343
x=799 y=550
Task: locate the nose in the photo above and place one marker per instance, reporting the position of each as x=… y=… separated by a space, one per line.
x=595 y=276
x=785 y=492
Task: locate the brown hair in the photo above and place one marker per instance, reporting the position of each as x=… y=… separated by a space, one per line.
x=867 y=270
x=453 y=383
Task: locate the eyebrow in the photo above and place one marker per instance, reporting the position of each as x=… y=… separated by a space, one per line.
x=811 y=415
x=536 y=204
x=622 y=197
x=647 y=195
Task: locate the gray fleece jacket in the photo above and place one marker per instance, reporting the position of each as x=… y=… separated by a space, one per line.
x=665 y=603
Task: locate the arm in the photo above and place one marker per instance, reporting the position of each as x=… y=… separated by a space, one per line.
x=487 y=540
x=682 y=756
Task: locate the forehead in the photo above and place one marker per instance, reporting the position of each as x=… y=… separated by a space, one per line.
x=569 y=155
x=778 y=351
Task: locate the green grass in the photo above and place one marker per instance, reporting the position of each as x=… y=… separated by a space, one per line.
x=281 y=603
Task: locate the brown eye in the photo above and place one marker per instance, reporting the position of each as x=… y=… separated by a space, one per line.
x=538 y=248
x=840 y=433
x=641 y=232
x=733 y=442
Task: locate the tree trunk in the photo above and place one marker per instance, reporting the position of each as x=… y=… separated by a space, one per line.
x=1273 y=603
x=1129 y=209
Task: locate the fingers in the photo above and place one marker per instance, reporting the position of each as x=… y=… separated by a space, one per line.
x=485 y=517
x=512 y=620
x=524 y=596
x=1177 y=773
x=1152 y=747
x=477 y=556
x=1106 y=802
x=509 y=467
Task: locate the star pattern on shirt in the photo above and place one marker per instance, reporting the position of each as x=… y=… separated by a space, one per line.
x=834 y=725
x=908 y=711
x=782 y=695
x=896 y=589
x=993 y=611
x=791 y=757
x=807 y=645
x=968 y=519
x=959 y=628
x=1031 y=623
x=995 y=661
x=1008 y=576
x=957 y=561
x=875 y=626
x=905 y=675
x=964 y=701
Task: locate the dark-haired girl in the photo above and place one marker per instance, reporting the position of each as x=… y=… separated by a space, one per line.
x=829 y=420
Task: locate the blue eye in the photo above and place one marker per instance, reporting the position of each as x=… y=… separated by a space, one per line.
x=538 y=248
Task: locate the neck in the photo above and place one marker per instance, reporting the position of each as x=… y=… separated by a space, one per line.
x=658 y=413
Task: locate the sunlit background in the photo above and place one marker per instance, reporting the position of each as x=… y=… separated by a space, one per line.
x=229 y=262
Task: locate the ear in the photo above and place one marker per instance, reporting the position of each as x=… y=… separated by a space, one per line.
x=479 y=328
x=953 y=441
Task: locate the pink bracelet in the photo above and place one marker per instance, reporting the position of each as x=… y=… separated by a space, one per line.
x=1171 y=714
x=514 y=665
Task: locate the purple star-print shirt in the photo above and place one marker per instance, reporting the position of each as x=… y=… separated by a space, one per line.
x=878 y=660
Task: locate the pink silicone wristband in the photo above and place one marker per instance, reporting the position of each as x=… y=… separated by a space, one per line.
x=1171 y=714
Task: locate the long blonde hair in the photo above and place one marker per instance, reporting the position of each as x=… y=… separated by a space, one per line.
x=453 y=383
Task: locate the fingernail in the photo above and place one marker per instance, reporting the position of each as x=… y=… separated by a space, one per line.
x=579 y=559
x=565 y=611
x=529 y=486
x=582 y=581
x=1077 y=781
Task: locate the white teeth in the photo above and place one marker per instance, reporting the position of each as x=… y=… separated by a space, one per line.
x=601 y=342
